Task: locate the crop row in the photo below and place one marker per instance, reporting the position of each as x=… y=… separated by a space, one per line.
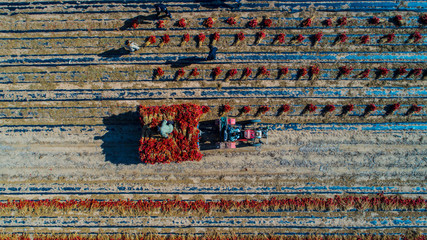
x=181 y=6
x=313 y=72
x=267 y=22
x=229 y=58
x=130 y=207
x=327 y=109
x=195 y=93
x=272 y=22
x=340 y=41
x=239 y=110
x=216 y=236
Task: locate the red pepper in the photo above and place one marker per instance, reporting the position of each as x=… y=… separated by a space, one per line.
x=231 y=21
x=348 y=108
x=209 y=22
x=182 y=23
x=216 y=36
x=344 y=70
x=201 y=37
x=266 y=22
x=311 y=107
x=284 y=71
x=263 y=71
x=194 y=72
x=365 y=39
x=166 y=38
x=216 y=71
x=246 y=109
x=329 y=108
x=342 y=38
x=307 y=22
x=241 y=36
x=400 y=71
x=371 y=108
x=263 y=109
x=152 y=39
x=253 y=23
x=285 y=108
x=160 y=24
x=186 y=37
x=374 y=20
x=342 y=21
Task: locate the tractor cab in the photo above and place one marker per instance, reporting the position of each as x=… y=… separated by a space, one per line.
x=240 y=134
x=258 y=134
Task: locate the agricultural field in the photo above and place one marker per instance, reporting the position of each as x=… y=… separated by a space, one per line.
x=340 y=84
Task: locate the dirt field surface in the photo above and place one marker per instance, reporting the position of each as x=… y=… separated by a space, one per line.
x=69 y=127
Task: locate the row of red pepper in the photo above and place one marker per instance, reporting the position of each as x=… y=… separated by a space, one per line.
x=312 y=71
x=415 y=37
x=379 y=202
x=207 y=236
x=414 y=108
x=397 y=20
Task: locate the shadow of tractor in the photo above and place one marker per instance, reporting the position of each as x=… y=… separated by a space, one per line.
x=121 y=140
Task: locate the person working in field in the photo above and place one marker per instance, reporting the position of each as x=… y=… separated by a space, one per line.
x=212 y=53
x=131 y=46
x=162 y=8
x=166 y=128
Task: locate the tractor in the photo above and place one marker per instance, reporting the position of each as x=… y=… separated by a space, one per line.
x=241 y=134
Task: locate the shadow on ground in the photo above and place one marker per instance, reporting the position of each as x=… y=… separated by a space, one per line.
x=114 y=53
x=185 y=62
x=141 y=19
x=213 y=4
x=209 y=136
x=123 y=131
x=121 y=140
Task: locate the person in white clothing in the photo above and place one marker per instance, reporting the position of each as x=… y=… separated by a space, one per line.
x=131 y=46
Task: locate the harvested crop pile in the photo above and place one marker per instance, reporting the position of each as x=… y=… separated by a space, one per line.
x=182 y=143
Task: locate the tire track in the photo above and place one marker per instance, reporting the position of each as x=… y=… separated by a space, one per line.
x=235 y=222
x=223 y=58
x=211 y=93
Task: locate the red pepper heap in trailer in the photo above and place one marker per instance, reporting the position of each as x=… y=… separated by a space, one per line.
x=181 y=144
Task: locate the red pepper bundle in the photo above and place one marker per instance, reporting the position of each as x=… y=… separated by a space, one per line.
x=260 y=36
x=245 y=109
x=253 y=23
x=263 y=109
x=216 y=72
x=179 y=74
x=231 y=21
x=301 y=73
x=185 y=39
x=158 y=73
x=209 y=22
x=263 y=72
x=283 y=72
x=165 y=39
x=239 y=38
x=150 y=40
x=246 y=73
x=230 y=74
x=182 y=23
x=201 y=38
x=279 y=39
x=215 y=38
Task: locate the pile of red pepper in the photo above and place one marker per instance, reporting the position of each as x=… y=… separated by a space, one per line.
x=139 y=207
x=182 y=144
